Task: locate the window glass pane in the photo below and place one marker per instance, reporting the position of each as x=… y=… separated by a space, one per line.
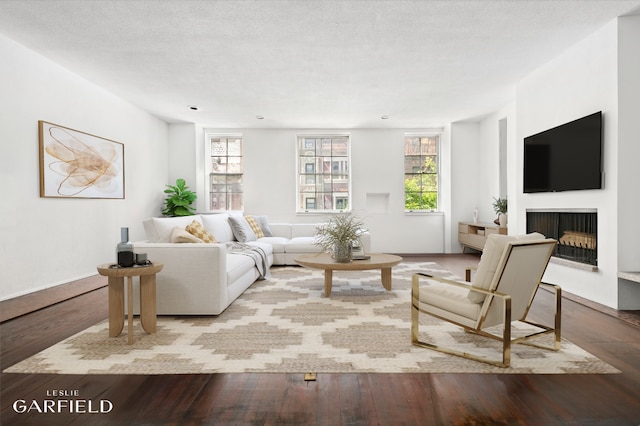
x=234 y=147
x=225 y=173
x=307 y=146
x=218 y=201
x=219 y=164
x=218 y=147
x=234 y=183
x=421 y=172
x=234 y=165
x=323 y=172
x=235 y=201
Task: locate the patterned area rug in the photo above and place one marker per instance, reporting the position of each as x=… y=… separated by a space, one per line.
x=284 y=324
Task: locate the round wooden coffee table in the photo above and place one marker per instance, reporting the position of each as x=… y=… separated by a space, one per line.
x=324 y=261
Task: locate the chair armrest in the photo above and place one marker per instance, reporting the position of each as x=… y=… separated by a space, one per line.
x=462 y=285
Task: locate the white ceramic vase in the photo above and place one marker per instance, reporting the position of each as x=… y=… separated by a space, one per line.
x=502 y=220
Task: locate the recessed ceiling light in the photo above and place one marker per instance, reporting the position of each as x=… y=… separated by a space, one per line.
x=384 y=117
x=259 y=117
x=193 y=107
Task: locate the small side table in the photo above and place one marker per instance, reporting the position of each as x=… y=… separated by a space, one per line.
x=147 y=274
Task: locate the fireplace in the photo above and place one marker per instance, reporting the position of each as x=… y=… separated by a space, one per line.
x=575 y=230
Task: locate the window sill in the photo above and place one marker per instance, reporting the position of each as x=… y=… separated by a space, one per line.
x=423 y=213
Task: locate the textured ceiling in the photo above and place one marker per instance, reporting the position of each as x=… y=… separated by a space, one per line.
x=307 y=64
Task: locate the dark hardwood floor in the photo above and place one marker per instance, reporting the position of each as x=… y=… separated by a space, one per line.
x=333 y=399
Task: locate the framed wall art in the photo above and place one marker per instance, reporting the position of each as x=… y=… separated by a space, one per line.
x=75 y=164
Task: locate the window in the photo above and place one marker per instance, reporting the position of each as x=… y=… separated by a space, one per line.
x=225 y=172
x=324 y=183
x=421 y=172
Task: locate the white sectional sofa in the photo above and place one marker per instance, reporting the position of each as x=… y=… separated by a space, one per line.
x=205 y=278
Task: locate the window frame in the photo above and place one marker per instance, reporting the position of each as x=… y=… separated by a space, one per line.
x=438 y=134
x=209 y=173
x=318 y=167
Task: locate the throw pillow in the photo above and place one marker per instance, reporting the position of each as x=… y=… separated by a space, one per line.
x=198 y=230
x=264 y=225
x=255 y=226
x=180 y=235
x=241 y=229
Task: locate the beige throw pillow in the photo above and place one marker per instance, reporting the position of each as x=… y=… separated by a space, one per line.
x=180 y=235
x=196 y=229
x=255 y=226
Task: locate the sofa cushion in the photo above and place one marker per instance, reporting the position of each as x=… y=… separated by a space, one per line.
x=266 y=247
x=237 y=266
x=277 y=243
x=218 y=225
x=491 y=254
x=302 y=245
x=196 y=229
x=241 y=229
x=255 y=226
x=159 y=229
x=180 y=235
x=281 y=230
x=304 y=229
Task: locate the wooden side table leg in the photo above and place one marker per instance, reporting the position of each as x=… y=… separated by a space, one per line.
x=116 y=305
x=148 y=302
x=130 y=308
x=328 y=282
x=385 y=275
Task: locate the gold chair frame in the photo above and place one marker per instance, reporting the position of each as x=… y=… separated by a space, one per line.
x=506 y=320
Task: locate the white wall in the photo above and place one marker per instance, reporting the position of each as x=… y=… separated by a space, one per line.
x=628 y=156
x=465 y=178
x=49 y=241
x=377 y=173
x=583 y=80
x=488 y=172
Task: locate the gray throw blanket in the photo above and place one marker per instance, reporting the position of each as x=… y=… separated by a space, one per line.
x=258 y=256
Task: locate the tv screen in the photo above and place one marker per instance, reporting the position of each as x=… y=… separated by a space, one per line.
x=565 y=158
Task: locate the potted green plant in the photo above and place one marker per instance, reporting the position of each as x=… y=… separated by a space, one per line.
x=339 y=234
x=500 y=207
x=179 y=200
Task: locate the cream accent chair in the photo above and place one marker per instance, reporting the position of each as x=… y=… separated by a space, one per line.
x=503 y=289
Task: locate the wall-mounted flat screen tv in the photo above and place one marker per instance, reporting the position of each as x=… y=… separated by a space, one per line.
x=565 y=158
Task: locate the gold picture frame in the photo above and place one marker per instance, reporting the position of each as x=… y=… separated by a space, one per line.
x=75 y=164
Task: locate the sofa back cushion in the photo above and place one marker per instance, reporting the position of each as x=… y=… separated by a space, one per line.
x=159 y=229
x=218 y=225
x=282 y=230
x=304 y=229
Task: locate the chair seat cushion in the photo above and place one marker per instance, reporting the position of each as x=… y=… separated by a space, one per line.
x=449 y=298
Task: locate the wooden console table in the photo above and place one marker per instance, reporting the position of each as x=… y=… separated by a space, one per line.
x=116 y=276
x=474 y=235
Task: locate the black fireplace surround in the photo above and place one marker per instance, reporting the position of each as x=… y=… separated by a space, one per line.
x=576 y=232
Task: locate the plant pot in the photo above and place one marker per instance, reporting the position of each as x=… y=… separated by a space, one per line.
x=342 y=252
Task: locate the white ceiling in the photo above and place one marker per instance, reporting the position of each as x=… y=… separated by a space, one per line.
x=307 y=64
